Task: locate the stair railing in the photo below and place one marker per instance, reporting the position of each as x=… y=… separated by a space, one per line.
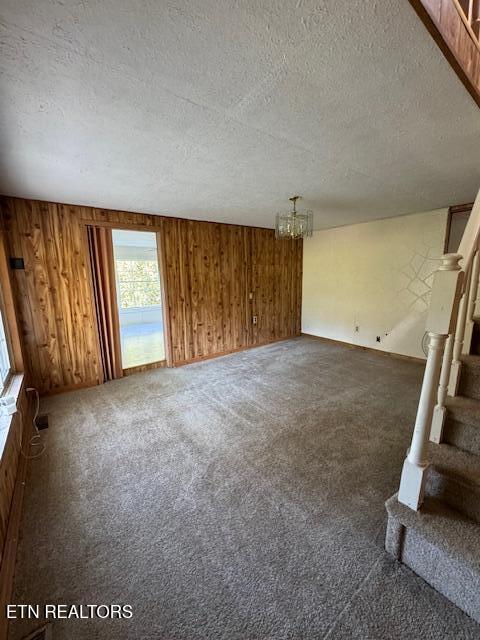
x=451 y=311
x=458 y=344
x=470 y=15
x=472 y=302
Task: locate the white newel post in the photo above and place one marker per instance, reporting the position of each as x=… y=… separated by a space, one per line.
x=472 y=299
x=440 y=323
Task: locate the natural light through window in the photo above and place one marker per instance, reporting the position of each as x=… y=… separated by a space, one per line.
x=4 y=355
x=139 y=297
x=138 y=283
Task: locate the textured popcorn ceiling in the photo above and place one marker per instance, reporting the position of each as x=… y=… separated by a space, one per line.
x=222 y=110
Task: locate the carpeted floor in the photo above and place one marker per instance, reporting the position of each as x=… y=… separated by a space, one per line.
x=239 y=498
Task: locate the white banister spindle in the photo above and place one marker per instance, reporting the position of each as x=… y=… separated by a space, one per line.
x=439 y=411
x=472 y=300
x=476 y=297
x=440 y=323
x=458 y=343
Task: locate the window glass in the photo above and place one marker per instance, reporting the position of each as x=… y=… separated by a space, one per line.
x=139 y=297
x=138 y=283
x=4 y=355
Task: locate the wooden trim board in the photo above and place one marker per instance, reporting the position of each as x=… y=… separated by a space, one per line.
x=70 y=387
x=452 y=211
x=161 y=364
x=162 y=267
x=11 y=322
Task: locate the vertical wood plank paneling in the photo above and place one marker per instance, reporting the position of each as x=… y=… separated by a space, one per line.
x=9 y=465
x=160 y=237
x=53 y=294
x=10 y=460
x=34 y=241
x=208 y=270
x=258 y=278
x=226 y=293
x=174 y=289
x=13 y=466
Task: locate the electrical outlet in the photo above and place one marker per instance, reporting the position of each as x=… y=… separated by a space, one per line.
x=254 y=319
x=42 y=421
x=250 y=295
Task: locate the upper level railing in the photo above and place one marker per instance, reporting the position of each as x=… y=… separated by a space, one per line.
x=455 y=27
x=469 y=11
x=453 y=307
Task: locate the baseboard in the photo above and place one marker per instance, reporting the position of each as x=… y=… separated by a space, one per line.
x=145 y=367
x=181 y=363
x=71 y=387
x=391 y=354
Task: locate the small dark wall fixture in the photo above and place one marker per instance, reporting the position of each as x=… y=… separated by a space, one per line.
x=17 y=263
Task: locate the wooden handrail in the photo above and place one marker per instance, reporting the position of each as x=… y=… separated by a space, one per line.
x=471 y=235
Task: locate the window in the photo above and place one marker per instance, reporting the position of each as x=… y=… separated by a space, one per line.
x=139 y=295
x=5 y=366
x=138 y=283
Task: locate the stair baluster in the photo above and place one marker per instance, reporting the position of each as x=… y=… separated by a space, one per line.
x=472 y=299
x=459 y=336
x=440 y=410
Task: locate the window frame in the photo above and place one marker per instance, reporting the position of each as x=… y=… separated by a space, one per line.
x=5 y=383
x=9 y=319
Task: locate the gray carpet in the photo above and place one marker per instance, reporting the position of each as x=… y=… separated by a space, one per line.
x=239 y=498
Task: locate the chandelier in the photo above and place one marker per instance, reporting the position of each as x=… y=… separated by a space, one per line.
x=295 y=224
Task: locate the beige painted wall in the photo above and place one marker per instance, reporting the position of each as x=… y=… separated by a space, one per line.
x=375 y=276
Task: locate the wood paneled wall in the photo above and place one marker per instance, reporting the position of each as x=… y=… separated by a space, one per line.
x=9 y=462
x=217 y=278
x=13 y=469
x=53 y=294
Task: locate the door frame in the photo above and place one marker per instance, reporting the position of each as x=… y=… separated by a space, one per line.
x=460 y=209
x=162 y=267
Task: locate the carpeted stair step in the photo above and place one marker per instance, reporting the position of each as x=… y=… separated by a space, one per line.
x=470 y=377
x=454 y=478
x=462 y=424
x=441 y=546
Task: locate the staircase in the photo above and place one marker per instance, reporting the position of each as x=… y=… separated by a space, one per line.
x=434 y=521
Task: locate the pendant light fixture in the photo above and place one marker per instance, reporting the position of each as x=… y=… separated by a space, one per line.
x=294 y=224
